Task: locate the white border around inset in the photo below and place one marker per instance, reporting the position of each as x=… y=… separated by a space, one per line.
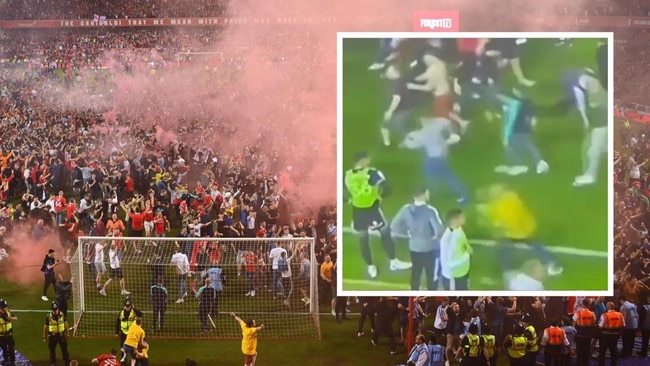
x=610 y=158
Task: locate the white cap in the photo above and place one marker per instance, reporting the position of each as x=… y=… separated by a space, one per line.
x=181 y=160
x=214 y=160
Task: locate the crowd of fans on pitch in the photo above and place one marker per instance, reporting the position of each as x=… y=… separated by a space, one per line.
x=72 y=9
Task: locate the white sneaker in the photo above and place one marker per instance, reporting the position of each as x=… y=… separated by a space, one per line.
x=125 y=292
x=518 y=170
x=376 y=66
x=333 y=312
x=542 y=167
x=398 y=265
x=583 y=180
x=489 y=116
x=248 y=293
x=44 y=298
x=286 y=303
x=252 y=293
x=372 y=271
x=180 y=301
x=102 y=292
x=554 y=269
x=307 y=302
x=502 y=169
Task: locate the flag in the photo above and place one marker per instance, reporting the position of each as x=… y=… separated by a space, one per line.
x=102 y=20
x=96 y=18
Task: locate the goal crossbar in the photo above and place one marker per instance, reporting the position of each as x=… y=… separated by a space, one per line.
x=278 y=301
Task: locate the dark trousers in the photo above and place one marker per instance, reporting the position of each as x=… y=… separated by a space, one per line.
x=142 y=362
x=645 y=336
x=58 y=339
x=608 y=342
x=50 y=279
x=583 y=350
x=386 y=331
x=423 y=262
x=122 y=340
x=553 y=355
x=518 y=361
x=63 y=307
x=205 y=311
x=531 y=358
x=366 y=312
x=460 y=283
x=339 y=307
x=8 y=346
x=565 y=360
x=158 y=321
x=628 y=342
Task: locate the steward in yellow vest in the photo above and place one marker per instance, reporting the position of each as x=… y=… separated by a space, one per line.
x=7 y=343
x=55 y=332
x=125 y=319
x=516 y=345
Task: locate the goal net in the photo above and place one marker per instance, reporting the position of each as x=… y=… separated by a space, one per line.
x=241 y=273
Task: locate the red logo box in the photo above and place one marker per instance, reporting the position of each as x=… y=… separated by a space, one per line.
x=436 y=21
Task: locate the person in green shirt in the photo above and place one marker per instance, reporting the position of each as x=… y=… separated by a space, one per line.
x=365 y=188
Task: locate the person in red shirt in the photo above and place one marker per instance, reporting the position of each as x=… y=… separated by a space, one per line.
x=161 y=225
x=129 y=187
x=71 y=208
x=252 y=261
x=68 y=233
x=107 y=359
x=59 y=208
x=261 y=232
x=137 y=224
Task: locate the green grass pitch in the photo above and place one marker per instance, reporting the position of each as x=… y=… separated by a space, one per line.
x=572 y=221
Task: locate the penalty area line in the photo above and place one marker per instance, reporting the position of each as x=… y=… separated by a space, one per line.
x=493 y=243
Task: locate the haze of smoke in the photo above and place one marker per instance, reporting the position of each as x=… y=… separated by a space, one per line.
x=283 y=98
x=26 y=258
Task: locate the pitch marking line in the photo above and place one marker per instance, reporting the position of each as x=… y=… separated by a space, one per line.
x=493 y=243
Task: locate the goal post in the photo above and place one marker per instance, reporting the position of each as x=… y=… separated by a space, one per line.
x=290 y=312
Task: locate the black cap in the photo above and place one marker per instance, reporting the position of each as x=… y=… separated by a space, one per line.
x=360 y=156
x=128 y=302
x=55 y=306
x=50 y=251
x=3 y=304
x=525 y=318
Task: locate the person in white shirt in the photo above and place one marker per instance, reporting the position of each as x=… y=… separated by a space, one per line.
x=529 y=278
x=179 y=259
x=275 y=254
x=100 y=265
x=116 y=271
x=635 y=170
x=287 y=281
x=455 y=253
x=440 y=322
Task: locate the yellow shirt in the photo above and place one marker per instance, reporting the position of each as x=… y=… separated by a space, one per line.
x=249 y=339
x=326 y=270
x=134 y=336
x=145 y=353
x=509 y=214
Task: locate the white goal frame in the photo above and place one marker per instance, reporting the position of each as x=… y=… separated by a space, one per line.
x=80 y=270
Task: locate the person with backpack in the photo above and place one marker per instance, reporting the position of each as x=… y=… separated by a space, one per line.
x=554 y=340
x=472 y=348
x=516 y=345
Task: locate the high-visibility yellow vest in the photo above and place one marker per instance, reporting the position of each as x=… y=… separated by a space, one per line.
x=490 y=344
x=472 y=349
x=6 y=326
x=532 y=343
x=518 y=348
x=126 y=324
x=55 y=325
